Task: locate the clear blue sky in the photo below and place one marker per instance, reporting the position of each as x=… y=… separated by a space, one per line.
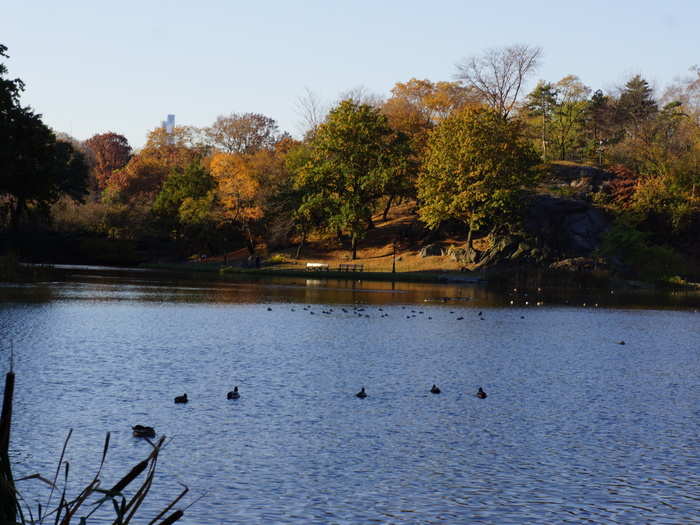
x=93 y=66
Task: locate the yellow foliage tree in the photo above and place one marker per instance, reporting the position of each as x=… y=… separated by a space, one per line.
x=240 y=193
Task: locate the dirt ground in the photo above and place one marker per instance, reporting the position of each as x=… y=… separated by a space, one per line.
x=375 y=252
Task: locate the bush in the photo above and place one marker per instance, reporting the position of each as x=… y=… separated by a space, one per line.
x=278 y=258
x=649 y=262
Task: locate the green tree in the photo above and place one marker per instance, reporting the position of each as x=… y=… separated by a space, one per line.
x=476 y=167
x=540 y=105
x=185 y=207
x=353 y=158
x=636 y=104
x=599 y=125
x=36 y=169
x=568 y=115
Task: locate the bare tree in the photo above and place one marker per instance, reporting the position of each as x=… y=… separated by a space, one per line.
x=311 y=110
x=499 y=74
x=361 y=95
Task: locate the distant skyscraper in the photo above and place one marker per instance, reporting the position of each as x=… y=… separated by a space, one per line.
x=168 y=126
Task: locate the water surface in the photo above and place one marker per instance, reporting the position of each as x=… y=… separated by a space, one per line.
x=577 y=428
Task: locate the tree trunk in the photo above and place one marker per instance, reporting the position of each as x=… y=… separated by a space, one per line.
x=249 y=241
x=354 y=246
x=470 y=231
x=17 y=212
x=301 y=244
x=339 y=234
x=385 y=214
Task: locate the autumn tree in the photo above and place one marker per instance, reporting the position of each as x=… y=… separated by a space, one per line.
x=243 y=133
x=476 y=167
x=418 y=105
x=352 y=159
x=499 y=75
x=142 y=177
x=110 y=152
x=239 y=193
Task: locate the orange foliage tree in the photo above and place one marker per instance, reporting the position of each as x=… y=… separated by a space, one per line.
x=240 y=194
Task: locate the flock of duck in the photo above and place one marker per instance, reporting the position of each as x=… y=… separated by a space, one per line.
x=149 y=432
x=361 y=311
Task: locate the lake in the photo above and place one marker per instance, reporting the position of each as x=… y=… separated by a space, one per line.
x=577 y=428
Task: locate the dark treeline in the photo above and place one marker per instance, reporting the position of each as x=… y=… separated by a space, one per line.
x=466 y=151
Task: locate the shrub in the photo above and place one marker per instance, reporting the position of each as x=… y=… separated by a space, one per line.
x=649 y=262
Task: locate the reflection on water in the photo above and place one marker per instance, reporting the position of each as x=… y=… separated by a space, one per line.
x=114 y=284
x=576 y=428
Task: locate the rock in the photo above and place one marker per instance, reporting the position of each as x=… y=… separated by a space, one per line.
x=576 y=264
x=431 y=250
x=462 y=255
x=565 y=228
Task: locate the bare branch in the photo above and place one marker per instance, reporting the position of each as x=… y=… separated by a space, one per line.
x=499 y=74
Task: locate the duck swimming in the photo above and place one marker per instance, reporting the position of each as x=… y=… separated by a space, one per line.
x=481 y=394
x=141 y=431
x=181 y=399
x=435 y=390
x=361 y=394
x=233 y=394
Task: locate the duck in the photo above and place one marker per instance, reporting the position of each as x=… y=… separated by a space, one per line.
x=181 y=399
x=361 y=394
x=435 y=390
x=141 y=431
x=481 y=394
x=233 y=394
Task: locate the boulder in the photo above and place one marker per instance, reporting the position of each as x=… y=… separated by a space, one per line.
x=575 y=264
x=462 y=255
x=431 y=250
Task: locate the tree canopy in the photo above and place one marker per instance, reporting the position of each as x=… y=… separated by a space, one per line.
x=36 y=170
x=352 y=158
x=476 y=166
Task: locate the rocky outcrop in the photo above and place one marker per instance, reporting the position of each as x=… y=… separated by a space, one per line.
x=579 y=181
x=554 y=229
x=564 y=227
x=431 y=250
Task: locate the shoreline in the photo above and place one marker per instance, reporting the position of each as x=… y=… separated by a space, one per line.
x=436 y=277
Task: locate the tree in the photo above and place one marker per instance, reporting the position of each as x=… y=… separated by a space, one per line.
x=36 y=169
x=540 y=106
x=499 y=74
x=111 y=152
x=311 y=110
x=351 y=160
x=568 y=114
x=476 y=166
x=243 y=133
x=143 y=176
x=636 y=104
x=239 y=193
x=185 y=202
x=599 y=124
x=418 y=105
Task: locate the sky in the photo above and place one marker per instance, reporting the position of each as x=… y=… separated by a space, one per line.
x=92 y=66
